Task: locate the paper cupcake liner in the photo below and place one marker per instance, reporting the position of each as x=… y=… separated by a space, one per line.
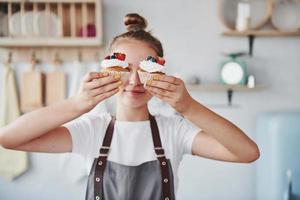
x=144 y=77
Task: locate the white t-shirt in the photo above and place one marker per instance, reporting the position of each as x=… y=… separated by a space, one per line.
x=132 y=142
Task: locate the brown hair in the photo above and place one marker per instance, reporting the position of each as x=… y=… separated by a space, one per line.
x=136 y=25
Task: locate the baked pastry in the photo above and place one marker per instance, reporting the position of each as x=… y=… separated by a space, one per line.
x=115 y=63
x=150 y=67
x=153 y=65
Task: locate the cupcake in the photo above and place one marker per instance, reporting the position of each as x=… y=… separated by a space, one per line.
x=117 y=66
x=151 y=66
x=115 y=63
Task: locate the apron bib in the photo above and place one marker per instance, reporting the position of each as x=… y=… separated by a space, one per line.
x=151 y=180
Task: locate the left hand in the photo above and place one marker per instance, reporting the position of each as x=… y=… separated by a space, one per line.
x=171 y=90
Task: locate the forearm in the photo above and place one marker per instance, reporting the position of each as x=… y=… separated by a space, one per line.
x=36 y=123
x=229 y=135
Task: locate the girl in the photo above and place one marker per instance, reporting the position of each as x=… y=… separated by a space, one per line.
x=135 y=155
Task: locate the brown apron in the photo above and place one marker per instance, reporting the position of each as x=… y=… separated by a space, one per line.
x=151 y=180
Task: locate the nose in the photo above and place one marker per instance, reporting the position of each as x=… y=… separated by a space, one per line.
x=134 y=78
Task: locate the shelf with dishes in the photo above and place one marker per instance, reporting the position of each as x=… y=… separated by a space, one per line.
x=264 y=18
x=50 y=23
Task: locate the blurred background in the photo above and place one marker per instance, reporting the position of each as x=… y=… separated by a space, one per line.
x=239 y=58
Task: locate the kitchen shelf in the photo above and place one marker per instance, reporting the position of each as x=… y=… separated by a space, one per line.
x=264 y=28
x=271 y=33
x=229 y=89
x=49 y=42
x=51 y=23
x=220 y=87
x=251 y=34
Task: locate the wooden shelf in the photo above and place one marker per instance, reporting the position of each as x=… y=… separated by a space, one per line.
x=49 y=42
x=51 y=1
x=271 y=33
x=223 y=88
x=262 y=33
x=229 y=89
x=76 y=23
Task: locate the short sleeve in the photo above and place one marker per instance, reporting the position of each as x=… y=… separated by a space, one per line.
x=186 y=132
x=81 y=130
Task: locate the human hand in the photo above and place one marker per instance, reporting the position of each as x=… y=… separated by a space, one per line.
x=171 y=90
x=95 y=88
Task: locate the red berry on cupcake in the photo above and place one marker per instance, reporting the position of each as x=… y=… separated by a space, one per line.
x=120 y=56
x=161 y=61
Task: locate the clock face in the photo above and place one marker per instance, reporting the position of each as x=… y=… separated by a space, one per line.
x=232 y=73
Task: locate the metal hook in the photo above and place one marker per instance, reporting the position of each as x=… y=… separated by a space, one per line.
x=33 y=56
x=57 y=60
x=9 y=60
x=97 y=56
x=79 y=56
x=33 y=60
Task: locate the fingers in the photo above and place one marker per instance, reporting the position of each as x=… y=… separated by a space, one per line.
x=161 y=97
x=159 y=92
x=90 y=76
x=168 y=79
x=163 y=85
x=106 y=95
x=101 y=81
x=104 y=89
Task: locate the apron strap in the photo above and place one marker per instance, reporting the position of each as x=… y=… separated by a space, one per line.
x=102 y=159
x=163 y=162
x=159 y=151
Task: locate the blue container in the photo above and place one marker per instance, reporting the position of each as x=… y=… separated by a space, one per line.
x=278 y=137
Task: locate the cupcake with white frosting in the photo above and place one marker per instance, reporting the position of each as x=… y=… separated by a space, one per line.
x=151 y=66
x=115 y=63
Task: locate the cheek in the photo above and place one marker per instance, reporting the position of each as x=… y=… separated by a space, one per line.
x=125 y=78
x=148 y=94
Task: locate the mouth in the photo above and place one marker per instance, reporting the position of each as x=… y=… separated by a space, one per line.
x=135 y=92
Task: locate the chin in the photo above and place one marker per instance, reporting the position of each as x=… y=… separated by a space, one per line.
x=134 y=101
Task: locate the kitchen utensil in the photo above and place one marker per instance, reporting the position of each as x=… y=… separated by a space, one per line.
x=32 y=88
x=55 y=84
x=286 y=15
x=260 y=12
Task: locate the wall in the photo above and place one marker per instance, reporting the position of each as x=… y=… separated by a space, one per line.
x=191 y=34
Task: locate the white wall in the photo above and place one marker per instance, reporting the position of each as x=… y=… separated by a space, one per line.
x=191 y=35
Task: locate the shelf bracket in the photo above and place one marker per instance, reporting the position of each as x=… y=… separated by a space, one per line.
x=229 y=97
x=251 y=42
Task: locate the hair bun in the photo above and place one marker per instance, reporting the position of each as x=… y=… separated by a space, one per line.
x=135 y=22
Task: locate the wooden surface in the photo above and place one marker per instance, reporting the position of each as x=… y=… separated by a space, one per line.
x=55 y=87
x=49 y=42
x=264 y=29
x=219 y=88
x=52 y=1
x=31 y=91
x=47 y=55
x=270 y=33
x=74 y=15
x=264 y=20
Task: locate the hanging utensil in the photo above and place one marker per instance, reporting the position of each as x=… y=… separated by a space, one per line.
x=32 y=88
x=55 y=83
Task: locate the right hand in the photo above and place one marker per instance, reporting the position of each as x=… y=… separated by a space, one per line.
x=95 y=88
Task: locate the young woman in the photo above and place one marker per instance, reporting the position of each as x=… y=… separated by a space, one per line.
x=135 y=155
